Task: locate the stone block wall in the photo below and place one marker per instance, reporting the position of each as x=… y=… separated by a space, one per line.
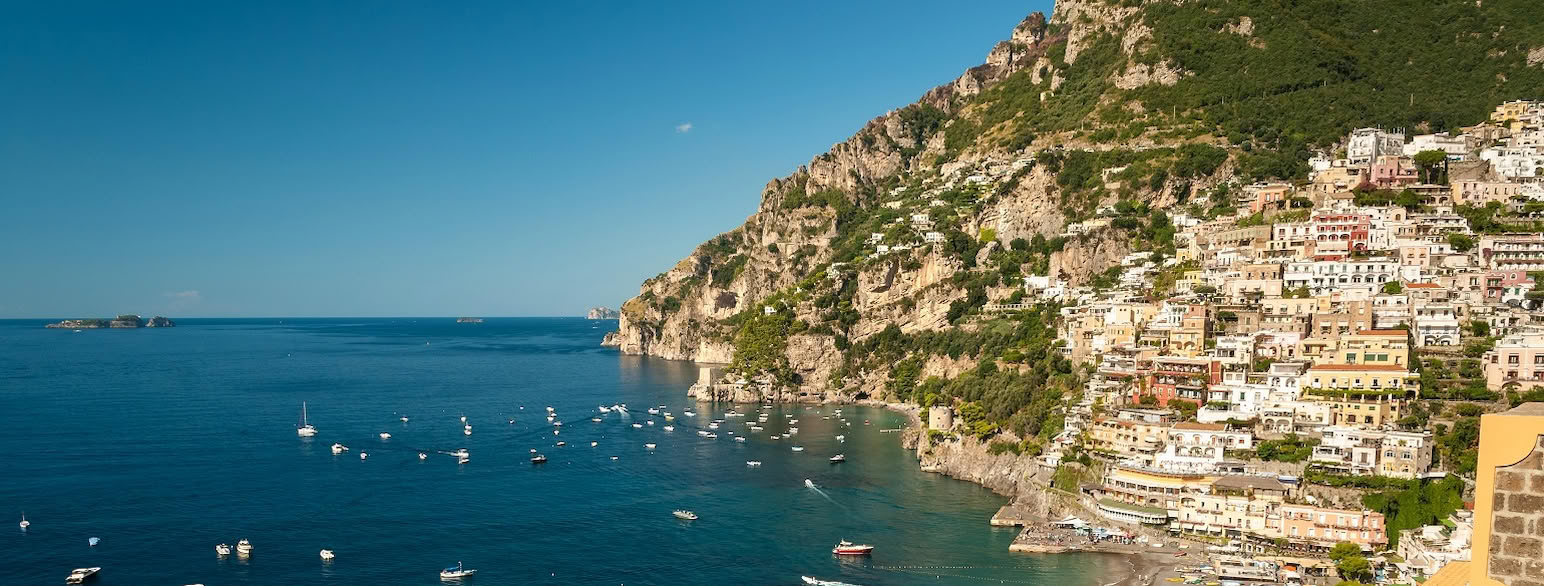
x=1517 y=530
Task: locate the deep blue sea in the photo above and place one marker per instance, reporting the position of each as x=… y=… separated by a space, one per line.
x=165 y=442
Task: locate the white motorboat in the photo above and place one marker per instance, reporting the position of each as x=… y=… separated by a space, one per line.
x=339 y=448
x=533 y=450
x=24 y=524
x=593 y=444
x=79 y=575
x=550 y=409
x=461 y=453
x=457 y=571
x=838 y=458
x=511 y=421
x=793 y=430
x=711 y=435
x=403 y=418
x=557 y=424
x=797 y=448
x=650 y=422
x=467 y=431
x=363 y=455
x=756 y=428
x=809 y=483
x=243 y=547
x=648 y=446
x=539 y=459
x=463 y=419
x=327 y=554
x=561 y=444
x=653 y=411
x=753 y=463
x=595 y=419
x=684 y=515
x=385 y=435
x=740 y=439
x=841 y=438
x=849 y=548
x=304 y=428
x=702 y=432
x=222 y=549
x=467 y=427
x=688 y=414
x=818 y=582
x=774 y=437
x=554 y=432
x=619 y=408
x=463 y=460
x=423 y=456
x=669 y=428
x=637 y=426
x=604 y=409
x=93 y=541
x=712 y=426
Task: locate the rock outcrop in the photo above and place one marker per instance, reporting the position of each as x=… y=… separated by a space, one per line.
x=602 y=313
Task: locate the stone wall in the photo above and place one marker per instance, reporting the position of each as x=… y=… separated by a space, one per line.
x=1517 y=530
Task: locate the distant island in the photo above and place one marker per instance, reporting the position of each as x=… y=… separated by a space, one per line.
x=602 y=313
x=122 y=321
x=469 y=320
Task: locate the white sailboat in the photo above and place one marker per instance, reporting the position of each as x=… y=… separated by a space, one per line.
x=304 y=429
x=24 y=522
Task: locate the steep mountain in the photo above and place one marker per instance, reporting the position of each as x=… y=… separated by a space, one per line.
x=865 y=270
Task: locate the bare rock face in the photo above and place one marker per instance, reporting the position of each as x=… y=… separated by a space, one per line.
x=1087 y=19
x=1086 y=257
x=1140 y=74
x=967 y=458
x=1535 y=56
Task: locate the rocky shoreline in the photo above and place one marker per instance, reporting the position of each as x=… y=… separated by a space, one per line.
x=128 y=322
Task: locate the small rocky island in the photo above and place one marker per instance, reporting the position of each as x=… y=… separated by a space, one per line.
x=602 y=313
x=122 y=321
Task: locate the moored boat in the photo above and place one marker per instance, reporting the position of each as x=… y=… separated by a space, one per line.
x=304 y=428
x=849 y=548
x=456 y=571
x=79 y=575
x=684 y=515
x=243 y=547
x=222 y=549
x=327 y=554
x=838 y=458
x=339 y=448
x=538 y=459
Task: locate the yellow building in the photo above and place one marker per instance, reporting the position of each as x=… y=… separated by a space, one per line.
x=1506 y=505
x=1374 y=347
x=1360 y=395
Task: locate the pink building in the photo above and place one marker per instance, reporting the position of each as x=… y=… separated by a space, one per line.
x=1519 y=359
x=1391 y=172
x=1322 y=527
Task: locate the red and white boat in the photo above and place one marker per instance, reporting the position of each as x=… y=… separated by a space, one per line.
x=850 y=548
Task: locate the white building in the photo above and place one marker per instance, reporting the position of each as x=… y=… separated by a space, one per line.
x=1429 y=548
x=1436 y=324
x=1366 y=144
x=1456 y=147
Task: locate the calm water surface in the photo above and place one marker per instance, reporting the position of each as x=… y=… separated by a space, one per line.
x=165 y=442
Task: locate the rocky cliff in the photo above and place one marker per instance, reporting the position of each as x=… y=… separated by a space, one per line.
x=1124 y=112
x=602 y=313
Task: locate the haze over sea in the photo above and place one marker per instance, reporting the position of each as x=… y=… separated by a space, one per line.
x=165 y=442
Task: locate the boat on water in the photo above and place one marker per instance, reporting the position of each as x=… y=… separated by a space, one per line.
x=793 y=430
x=24 y=524
x=669 y=428
x=222 y=549
x=650 y=422
x=753 y=463
x=849 y=548
x=797 y=448
x=841 y=438
x=838 y=458
x=327 y=554
x=339 y=448
x=456 y=571
x=363 y=455
x=684 y=515
x=561 y=444
x=653 y=411
x=809 y=483
x=756 y=428
x=385 y=435
x=711 y=435
x=463 y=419
x=740 y=439
x=702 y=432
x=462 y=453
x=669 y=417
x=648 y=446
x=467 y=431
x=423 y=456
x=603 y=409
x=637 y=426
x=243 y=547
x=92 y=541
x=593 y=444
x=79 y=575
x=595 y=419
x=469 y=320
x=538 y=459
x=688 y=414
x=713 y=426
x=403 y=418
x=304 y=428
x=819 y=582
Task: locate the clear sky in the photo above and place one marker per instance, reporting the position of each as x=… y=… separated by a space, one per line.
x=422 y=158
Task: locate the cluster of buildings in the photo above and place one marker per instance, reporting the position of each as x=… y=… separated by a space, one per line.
x=1308 y=330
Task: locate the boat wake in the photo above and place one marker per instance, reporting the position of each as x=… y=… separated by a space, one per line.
x=819 y=582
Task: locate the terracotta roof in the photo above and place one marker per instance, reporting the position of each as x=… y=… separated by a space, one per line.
x=1200 y=426
x=1423 y=286
x=1374 y=367
x=1451 y=574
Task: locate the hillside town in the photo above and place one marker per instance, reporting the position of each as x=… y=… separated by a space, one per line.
x=1249 y=391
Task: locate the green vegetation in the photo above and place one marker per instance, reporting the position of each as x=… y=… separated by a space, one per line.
x=761 y=344
x=1417 y=504
x=1291 y=449
x=1319 y=68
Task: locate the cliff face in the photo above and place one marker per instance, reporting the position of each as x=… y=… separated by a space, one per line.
x=804 y=222
x=1116 y=110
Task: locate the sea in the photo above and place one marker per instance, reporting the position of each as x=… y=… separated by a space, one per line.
x=164 y=442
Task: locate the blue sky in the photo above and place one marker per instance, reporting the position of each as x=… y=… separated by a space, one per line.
x=421 y=158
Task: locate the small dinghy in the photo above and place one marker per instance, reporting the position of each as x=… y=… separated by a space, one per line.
x=385 y=435
x=648 y=446
x=753 y=463
x=339 y=448
x=423 y=456
x=838 y=458
x=363 y=455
